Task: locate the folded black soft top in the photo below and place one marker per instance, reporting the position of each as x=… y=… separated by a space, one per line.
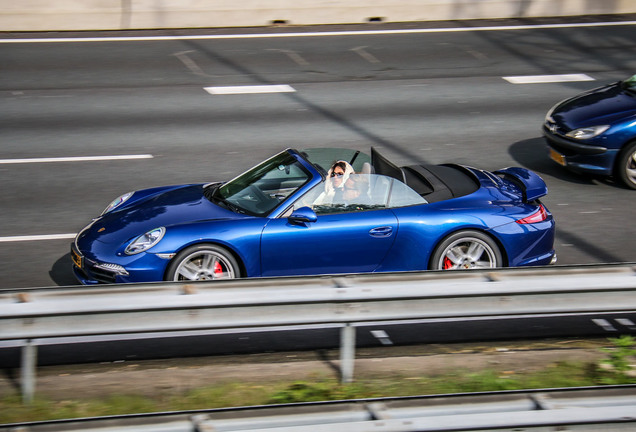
x=433 y=182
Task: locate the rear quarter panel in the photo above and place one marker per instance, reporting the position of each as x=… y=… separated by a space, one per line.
x=422 y=228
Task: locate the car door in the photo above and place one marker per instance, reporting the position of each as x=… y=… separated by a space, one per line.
x=347 y=242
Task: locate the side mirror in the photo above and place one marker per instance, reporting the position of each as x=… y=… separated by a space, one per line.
x=303 y=215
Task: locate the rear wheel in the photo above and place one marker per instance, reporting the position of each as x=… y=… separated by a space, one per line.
x=203 y=262
x=626 y=167
x=466 y=250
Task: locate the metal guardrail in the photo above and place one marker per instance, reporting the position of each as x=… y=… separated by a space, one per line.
x=339 y=300
x=604 y=408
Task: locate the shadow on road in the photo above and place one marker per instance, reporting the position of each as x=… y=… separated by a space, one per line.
x=532 y=154
x=599 y=255
x=61 y=272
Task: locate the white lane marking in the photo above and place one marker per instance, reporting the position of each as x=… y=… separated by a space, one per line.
x=478 y=55
x=539 y=79
x=604 y=324
x=362 y=52
x=626 y=322
x=315 y=34
x=382 y=336
x=36 y=237
x=250 y=89
x=293 y=56
x=189 y=63
x=75 y=159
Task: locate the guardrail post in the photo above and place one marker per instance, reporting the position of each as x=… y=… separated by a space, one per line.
x=347 y=352
x=27 y=371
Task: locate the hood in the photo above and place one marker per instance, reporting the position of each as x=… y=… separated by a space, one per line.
x=605 y=105
x=167 y=207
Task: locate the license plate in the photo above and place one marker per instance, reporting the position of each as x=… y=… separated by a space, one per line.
x=76 y=257
x=557 y=157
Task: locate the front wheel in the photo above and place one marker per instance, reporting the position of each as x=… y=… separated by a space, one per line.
x=466 y=250
x=626 y=168
x=203 y=262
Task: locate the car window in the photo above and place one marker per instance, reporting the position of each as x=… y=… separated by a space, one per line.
x=403 y=196
x=360 y=192
x=260 y=190
x=283 y=180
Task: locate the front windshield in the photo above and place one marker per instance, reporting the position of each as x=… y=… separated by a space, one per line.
x=261 y=189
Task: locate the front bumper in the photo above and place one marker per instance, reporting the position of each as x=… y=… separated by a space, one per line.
x=145 y=267
x=578 y=157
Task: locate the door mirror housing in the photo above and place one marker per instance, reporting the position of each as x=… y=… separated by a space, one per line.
x=303 y=215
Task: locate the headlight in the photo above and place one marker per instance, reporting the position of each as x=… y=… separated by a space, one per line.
x=117 y=202
x=587 y=132
x=145 y=241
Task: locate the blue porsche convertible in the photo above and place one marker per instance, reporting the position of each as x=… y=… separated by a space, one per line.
x=298 y=213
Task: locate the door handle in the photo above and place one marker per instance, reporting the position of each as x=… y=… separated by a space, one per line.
x=381 y=232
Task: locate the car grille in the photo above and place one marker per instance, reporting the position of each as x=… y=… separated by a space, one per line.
x=552 y=127
x=95 y=273
x=102 y=275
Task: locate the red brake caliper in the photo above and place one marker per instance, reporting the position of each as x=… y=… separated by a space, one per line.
x=217 y=268
x=447 y=263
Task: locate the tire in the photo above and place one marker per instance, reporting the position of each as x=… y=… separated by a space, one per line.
x=203 y=262
x=466 y=250
x=626 y=165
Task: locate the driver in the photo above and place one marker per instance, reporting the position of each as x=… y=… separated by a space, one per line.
x=337 y=177
x=356 y=190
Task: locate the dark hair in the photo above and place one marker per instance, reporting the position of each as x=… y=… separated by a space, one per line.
x=339 y=164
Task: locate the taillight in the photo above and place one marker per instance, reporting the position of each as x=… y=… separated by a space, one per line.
x=538 y=216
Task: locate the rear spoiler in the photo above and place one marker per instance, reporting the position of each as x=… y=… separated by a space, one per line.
x=532 y=186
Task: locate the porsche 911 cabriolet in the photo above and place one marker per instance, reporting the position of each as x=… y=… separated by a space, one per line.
x=294 y=214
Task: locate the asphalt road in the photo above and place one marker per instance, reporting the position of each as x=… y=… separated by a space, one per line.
x=418 y=96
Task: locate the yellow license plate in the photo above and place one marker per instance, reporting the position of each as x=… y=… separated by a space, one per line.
x=557 y=157
x=77 y=258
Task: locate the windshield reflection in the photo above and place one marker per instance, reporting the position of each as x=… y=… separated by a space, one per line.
x=261 y=189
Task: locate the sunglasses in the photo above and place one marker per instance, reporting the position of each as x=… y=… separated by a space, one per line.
x=335 y=174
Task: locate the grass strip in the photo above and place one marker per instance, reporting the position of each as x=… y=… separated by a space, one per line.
x=563 y=374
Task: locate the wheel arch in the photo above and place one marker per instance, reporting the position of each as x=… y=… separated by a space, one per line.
x=226 y=247
x=617 y=160
x=502 y=249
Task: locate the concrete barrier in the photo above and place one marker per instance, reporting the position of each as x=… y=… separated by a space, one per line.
x=46 y=15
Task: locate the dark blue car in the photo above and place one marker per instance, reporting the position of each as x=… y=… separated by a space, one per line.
x=277 y=220
x=595 y=132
